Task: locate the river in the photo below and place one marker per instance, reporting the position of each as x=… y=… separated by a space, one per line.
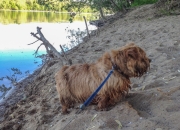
x=15 y=29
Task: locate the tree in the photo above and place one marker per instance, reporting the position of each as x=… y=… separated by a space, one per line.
x=98 y=5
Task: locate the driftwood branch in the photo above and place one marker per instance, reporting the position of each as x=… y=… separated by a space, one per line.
x=49 y=48
x=33 y=42
x=38 y=48
x=34 y=35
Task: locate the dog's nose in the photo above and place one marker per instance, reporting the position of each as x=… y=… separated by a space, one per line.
x=150 y=60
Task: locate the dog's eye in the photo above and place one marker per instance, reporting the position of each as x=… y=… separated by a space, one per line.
x=142 y=60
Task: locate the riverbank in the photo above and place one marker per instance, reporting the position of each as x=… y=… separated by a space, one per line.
x=153 y=102
x=16 y=94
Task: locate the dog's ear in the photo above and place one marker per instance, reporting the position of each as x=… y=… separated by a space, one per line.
x=114 y=53
x=132 y=53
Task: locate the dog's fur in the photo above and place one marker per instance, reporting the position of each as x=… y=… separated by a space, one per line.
x=77 y=82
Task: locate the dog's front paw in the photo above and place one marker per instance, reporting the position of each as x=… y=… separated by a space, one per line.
x=103 y=109
x=65 y=112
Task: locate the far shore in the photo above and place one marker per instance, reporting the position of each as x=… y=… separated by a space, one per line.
x=40 y=11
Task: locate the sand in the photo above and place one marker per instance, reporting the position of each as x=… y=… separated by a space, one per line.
x=152 y=104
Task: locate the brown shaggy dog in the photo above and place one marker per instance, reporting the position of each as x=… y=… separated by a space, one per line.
x=77 y=82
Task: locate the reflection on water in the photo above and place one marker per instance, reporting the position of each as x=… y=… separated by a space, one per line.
x=18 y=17
x=23 y=60
x=14 y=51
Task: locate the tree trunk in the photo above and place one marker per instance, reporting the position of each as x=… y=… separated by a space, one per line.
x=101 y=13
x=116 y=5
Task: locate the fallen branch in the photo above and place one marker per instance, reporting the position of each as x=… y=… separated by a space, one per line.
x=51 y=51
x=38 y=48
x=33 y=42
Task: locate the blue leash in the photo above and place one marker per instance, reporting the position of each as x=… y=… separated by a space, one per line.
x=88 y=101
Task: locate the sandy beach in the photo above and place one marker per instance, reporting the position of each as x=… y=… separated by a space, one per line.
x=153 y=102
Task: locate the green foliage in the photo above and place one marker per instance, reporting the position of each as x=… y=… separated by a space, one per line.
x=143 y=2
x=18 y=17
x=44 y=5
x=165 y=11
x=107 y=6
x=25 y=5
x=70 y=5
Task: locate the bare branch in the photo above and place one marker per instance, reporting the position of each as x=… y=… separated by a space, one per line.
x=38 y=48
x=35 y=36
x=51 y=51
x=33 y=42
x=48 y=44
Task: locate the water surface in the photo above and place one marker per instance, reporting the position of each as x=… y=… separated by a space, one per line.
x=15 y=29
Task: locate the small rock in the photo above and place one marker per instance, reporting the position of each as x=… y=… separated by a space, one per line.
x=135 y=85
x=98 y=49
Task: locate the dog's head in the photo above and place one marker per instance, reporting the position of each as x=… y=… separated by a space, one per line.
x=131 y=60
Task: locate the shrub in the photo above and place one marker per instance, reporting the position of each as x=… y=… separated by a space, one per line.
x=143 y=2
